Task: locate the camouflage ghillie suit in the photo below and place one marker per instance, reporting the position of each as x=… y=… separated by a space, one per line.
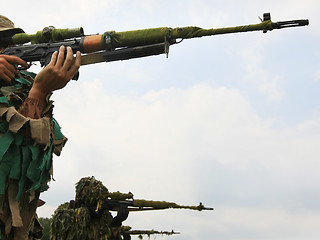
x=84 y=219
x=26 y=149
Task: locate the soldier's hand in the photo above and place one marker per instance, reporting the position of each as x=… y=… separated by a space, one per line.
x=56 y=74
x=7 y=67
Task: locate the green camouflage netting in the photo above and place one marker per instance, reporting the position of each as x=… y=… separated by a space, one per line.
x=80 y=222
x=90 y=192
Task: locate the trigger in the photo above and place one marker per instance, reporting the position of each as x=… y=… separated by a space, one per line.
x=19 y=67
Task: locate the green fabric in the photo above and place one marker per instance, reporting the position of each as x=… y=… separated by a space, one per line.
x=158 y=35
x=26 y=159
x=57 y=130
x=4 y=100
x=21 y=158
x=3 y=126
x=23 y=81
x=5 y=143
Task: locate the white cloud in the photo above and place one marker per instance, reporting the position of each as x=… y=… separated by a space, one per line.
x=197 y=144
x=257 y=223
x=272 y=89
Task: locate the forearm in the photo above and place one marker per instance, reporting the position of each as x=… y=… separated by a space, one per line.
x=32 y=108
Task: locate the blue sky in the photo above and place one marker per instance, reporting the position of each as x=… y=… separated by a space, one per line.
x=232 y=121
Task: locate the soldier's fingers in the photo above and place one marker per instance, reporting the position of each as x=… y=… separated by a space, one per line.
x=10 y=74
x=6 y=75
x=53 y=59
x=76 y=64
x=60 y=59
x=6 y=65
x=15 y=60
x=78 y=59
x=10 y=68
x=69 y=59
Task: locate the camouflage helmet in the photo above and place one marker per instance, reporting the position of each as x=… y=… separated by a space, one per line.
x=7 y=26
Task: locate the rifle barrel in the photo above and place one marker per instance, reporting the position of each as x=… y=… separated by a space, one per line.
x=158 y=35
x=158 y=205
x=149 y=232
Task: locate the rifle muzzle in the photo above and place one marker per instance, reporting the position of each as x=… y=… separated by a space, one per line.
x=292 y=23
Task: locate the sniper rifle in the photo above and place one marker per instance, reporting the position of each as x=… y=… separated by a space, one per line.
x=114 y=46
x=123 y=207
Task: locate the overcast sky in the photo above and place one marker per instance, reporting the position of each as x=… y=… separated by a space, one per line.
x=232 y=121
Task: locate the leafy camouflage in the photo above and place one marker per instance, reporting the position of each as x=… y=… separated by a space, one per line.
x=90 y=192
x=80 y=222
